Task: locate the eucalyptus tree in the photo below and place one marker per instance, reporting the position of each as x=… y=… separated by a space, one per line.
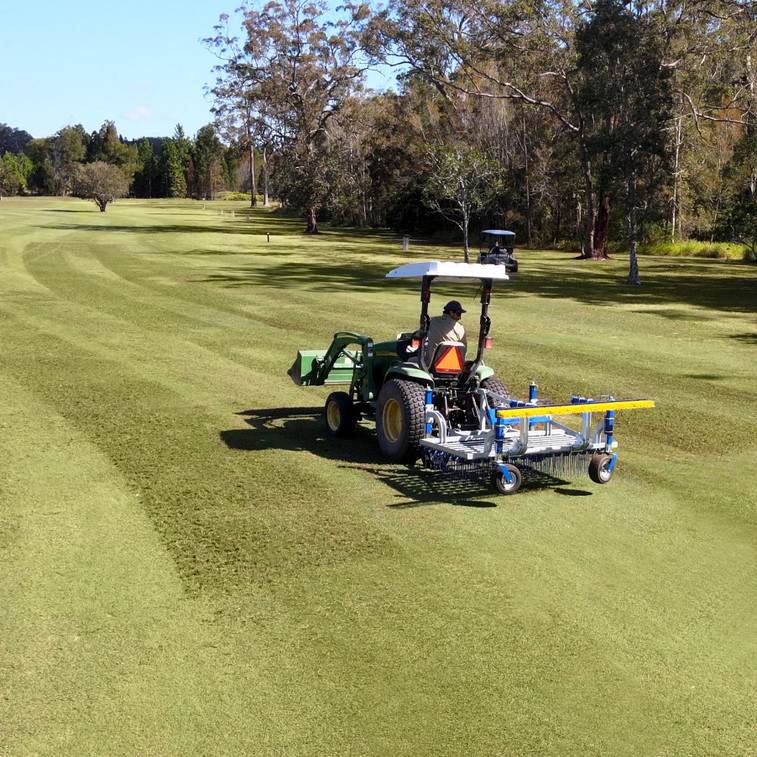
x=627 y=139
x=712 y=51
x=395 y=156
x=295 y=68
x=347 y=154
x=207 y=152
x=526 y=53
x=462 y=181
x=13 y=140
x=147 y=170
x=55 y=159
x=522 y=52
x=742 y=99
x=237 y=114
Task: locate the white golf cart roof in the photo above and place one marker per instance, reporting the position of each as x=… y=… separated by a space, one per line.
x=449 y=271
x=499 y=232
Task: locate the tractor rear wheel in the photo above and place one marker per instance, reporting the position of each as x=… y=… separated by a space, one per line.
x=493 y=384
x=339 y=414
x=400 y=420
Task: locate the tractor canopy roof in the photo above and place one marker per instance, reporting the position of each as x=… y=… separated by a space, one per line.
x=499 y=232
x=449 y=271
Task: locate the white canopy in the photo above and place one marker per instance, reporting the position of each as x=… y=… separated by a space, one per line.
x=449 y=271
x=499 y=232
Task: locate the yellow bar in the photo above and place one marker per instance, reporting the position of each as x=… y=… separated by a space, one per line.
x=579 y=407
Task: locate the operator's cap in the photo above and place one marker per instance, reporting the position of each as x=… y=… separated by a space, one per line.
x=454 y=306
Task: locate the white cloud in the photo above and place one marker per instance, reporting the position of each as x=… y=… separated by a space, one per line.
x=140 y=113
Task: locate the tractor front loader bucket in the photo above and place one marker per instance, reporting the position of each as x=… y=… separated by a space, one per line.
x=336 y=365
x=304 y=370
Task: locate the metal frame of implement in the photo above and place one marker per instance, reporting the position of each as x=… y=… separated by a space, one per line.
x=525 y=435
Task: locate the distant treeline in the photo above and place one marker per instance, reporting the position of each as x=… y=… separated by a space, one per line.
x=585 y=124
x=177 y=166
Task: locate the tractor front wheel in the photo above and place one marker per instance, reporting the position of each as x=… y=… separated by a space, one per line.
x=400 y=420
x=339 y=414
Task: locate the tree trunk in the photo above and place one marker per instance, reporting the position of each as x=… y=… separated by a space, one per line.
x=676 y=199
x=464 y=226
x=751 y=126
x=362 y=211
x=556 y=224
x=633 y=263
x=588 y=243
x=527 y=183
x=312 y=227
x=253 y=185
x=599 y=252
x=265 y=176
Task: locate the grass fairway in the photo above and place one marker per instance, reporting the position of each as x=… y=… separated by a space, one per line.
x=188 y=566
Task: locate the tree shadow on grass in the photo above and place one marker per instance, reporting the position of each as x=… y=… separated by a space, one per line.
x=301 y=429
x=745 y=338
x=314 y=276
x=273 y=227
x=151 y=228
x=714 y=286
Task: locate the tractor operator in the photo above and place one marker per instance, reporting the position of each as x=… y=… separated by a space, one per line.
x=446 y=328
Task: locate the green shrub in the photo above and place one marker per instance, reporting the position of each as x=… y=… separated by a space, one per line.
x=694 y=249
x=233 y=196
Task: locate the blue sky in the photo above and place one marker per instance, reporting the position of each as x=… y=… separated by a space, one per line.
x=139 y=63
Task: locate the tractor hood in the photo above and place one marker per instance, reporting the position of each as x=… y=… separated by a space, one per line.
x=449 y=271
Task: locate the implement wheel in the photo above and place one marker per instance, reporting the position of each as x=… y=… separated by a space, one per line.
x=502 y=485
x=400 y=420
x=339 y=414
x=600 y=471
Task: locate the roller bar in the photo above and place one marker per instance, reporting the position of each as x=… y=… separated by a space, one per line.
x=573 y=408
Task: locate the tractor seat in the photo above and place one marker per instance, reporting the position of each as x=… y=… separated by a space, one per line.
x=448 y=359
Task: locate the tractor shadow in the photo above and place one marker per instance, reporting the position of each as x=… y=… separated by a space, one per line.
x=301 y=429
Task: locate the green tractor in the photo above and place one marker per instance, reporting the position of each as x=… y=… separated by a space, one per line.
x=395 y=383
x=431 y=401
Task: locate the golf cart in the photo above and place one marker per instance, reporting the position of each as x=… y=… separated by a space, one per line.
x=497 y=249
x=441 y=405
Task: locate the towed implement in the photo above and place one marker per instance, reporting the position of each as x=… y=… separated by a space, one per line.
x=448 y=408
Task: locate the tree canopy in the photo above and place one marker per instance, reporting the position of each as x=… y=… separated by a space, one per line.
x=100 y=182
x=601 y=124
